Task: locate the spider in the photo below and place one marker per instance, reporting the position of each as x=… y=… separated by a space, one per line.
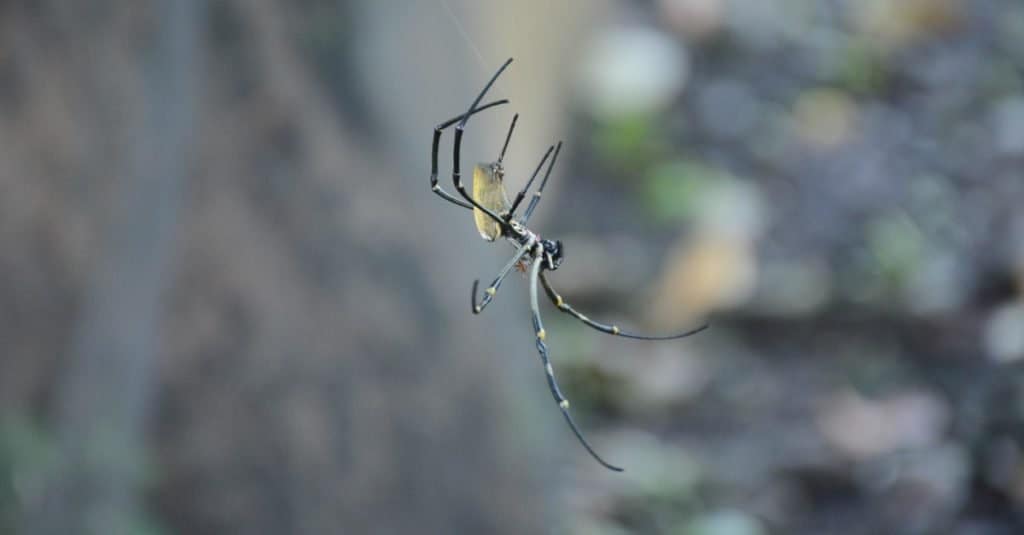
x=495 y=218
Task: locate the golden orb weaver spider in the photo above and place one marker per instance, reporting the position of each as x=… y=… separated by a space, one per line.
x=494 y=215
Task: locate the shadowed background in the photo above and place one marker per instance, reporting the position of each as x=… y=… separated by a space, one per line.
x=232 y=305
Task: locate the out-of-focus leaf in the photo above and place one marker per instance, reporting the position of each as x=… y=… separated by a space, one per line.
x=861 y=68
x=673 y=190
x=627 y=142
x=896 y=246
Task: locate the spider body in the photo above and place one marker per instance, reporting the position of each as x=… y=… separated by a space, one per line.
x=494 y=216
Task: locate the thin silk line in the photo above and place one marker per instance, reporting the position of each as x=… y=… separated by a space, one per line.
x=463 y=32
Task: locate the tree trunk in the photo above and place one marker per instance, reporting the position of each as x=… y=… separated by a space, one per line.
x=310 y=368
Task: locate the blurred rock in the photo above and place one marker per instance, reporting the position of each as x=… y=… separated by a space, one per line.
x=694 y=19
x=862 y=428
x=793 y=287
x=938 y=287
x=978 y=526
x=610 y=266
x=1003 y=467
x=654 y=467
x=658 y=488
x=1008 y=125
x=824 y=118
x=727 y=109
x=762 y=25
x=899 y=23
x=1011 y=29
x=919 y=490
x=1004 y=333
x=588 y=525
x=660 y=378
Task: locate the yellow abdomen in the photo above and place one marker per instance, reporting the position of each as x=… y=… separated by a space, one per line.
x=489 y=192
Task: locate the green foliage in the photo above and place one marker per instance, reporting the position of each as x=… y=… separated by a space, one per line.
x=861 y=68
x=672 y=190
x=32 y=463
x=628 y=143
x=661 y=489
x=28 y=459
x=897 y=247
x=594 y=389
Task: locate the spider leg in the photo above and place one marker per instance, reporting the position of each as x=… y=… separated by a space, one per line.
x=522 y=192
x=540 y=190
x=610 y=329
x=563 y=404
x=434 y=186
x=508 y=137
x=457 y=175
x=493 y=288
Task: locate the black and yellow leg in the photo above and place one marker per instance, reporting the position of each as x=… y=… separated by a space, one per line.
x=542 y=348
x=493 y=288
x=434 y=186
x=610 y=329
x=536 y=195
x=457 y=149
x=508 y=137
x=522 y=193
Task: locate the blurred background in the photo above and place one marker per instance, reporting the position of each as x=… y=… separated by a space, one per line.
x=230 y=303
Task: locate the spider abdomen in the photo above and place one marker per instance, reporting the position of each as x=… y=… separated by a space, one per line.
x=489 y=192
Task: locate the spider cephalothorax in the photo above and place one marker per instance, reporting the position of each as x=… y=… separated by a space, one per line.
x=494 y=215
x=553 y=254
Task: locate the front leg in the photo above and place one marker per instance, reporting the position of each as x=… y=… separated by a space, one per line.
x=456 y=172
x=434 y=186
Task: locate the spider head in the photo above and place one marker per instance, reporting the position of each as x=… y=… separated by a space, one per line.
x=498 y=170
x=553 y=253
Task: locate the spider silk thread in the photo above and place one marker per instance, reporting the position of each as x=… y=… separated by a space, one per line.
x=464 y=33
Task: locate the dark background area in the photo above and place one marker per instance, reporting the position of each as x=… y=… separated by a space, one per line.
x=230 y=303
